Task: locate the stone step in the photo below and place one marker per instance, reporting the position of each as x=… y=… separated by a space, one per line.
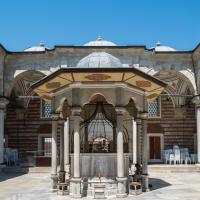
x=39 y=169
x=162 y=168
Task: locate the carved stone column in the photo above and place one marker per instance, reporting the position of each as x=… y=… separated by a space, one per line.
x=121 y=180
x=145 y=179
x=139 y=145
x=198 y=131
x=134 y=137
x=54 y=175
x=62 y=163
x=75 y=191
x=3 y=104
x=66 y=148
x=196 y=101
x=114 y=139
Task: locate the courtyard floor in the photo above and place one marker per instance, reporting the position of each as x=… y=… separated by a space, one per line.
x=166 y=186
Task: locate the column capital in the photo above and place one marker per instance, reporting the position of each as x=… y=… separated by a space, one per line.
x=55 y=116
x=120 y=110
x=76 y=111
x=197 y=104
x=196 y=100
x=138 y=120
x=143 y=115
x=3 y=102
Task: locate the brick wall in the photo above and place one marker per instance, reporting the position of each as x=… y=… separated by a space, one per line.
x=177 y=128
x=22 y=132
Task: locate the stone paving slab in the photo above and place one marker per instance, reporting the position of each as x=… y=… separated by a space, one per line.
x=35 y=186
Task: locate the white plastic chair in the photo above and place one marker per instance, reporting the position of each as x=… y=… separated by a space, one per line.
x=193 y=158
x=10 y=156
x=171 y=158
x=187 y=156
x=167 y=155
x=177 y=156
x=14 y=156
x=7 y=156
x=182 y=156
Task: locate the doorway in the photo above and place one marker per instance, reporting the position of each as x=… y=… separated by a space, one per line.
x=155 y=147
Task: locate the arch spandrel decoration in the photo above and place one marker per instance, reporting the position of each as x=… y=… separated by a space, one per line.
x=20 y=86
x=180 y=83
x=28 y=77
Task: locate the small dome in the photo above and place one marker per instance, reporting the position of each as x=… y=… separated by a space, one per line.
x=160 y=47
x=100 y=42
x=41 y=47
x=99 y=60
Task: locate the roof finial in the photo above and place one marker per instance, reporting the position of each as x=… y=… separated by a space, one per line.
x=158 y=43
x=99 y=38
x=42 y=44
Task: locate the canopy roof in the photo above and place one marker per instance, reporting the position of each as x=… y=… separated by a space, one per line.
x=64 y=77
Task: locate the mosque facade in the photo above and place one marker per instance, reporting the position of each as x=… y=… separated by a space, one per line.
x=76 y=107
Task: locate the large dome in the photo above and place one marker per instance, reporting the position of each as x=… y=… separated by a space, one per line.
x=99 y=60
x=100 y=42
x=160 y=48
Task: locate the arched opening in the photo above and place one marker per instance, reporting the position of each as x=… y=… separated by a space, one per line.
x=98 y=129
x=98 y=126
x=180 y=86
x=24 y=109
x=20 y=90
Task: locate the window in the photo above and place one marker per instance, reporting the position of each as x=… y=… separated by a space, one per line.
x=154 y=108
x=46 y=109
x=47 y=146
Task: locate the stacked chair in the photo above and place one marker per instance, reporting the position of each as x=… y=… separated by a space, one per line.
x=177 y=155
x=10 y=156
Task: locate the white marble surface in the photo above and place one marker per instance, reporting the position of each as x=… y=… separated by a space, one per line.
x=166 y=186
x=100 y=163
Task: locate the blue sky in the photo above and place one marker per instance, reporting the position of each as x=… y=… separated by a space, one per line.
x=25 y=23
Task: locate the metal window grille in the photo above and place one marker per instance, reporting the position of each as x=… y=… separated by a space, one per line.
x=47 y=146
x=154 y=108
x=46 y=109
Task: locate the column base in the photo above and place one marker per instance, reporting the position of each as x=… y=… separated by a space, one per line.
x=75 y=188
x=145 y=183
x=121 y=187
x=67 y=169
x=54 y=178
x=61 y=176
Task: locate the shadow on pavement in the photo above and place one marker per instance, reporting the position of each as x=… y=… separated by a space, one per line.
x=6 y=176
x=12 y=172
x=157 y=183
